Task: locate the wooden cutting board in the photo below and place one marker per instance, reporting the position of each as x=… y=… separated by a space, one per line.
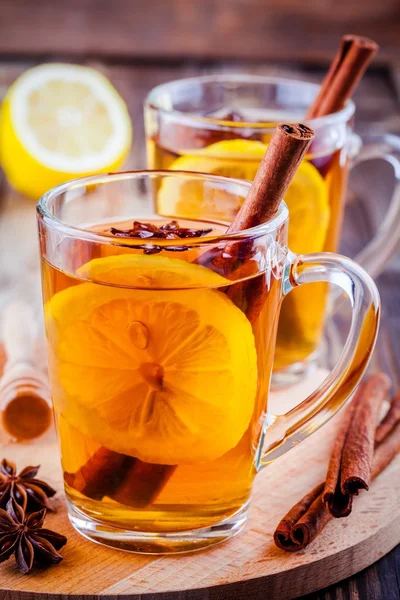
x=247 y=567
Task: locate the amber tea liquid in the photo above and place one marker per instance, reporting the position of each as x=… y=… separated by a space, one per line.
x=160 y=383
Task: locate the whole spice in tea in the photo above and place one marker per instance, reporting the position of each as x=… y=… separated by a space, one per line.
x=168 y=231
x=25 y=537
x=27 y=491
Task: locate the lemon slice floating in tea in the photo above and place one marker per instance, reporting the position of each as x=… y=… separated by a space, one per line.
x=307 y=196
x=167 y=376
x=146 y=271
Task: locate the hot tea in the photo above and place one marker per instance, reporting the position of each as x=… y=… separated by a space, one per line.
x=160 y=381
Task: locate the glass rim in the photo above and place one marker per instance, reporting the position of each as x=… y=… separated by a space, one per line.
x=82 y=233
x=340 y=116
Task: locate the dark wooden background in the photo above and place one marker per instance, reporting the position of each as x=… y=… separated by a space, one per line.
x=140 y=43
x=185 y=29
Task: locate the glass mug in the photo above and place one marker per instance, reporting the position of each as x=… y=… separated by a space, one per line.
x=221 y=124
x=160 y=366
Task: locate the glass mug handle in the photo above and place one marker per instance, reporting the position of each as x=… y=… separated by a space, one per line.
x=383 y=245
x=297 y=424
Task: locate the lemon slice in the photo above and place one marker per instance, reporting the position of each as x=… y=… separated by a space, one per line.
x=166 y=376
x=232 y=158
x=307 y=196
x=147 y=271
x=58 y=122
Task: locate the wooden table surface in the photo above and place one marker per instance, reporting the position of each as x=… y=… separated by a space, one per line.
x=377 y=111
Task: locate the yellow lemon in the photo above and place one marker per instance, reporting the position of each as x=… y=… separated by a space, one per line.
x=167 y=376
x=59 y=122
x=307 y=196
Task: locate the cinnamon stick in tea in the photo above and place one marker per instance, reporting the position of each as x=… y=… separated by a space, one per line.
x=344 y=74
x=97 y=477
x=308 y=517
x=141 y=483
x=350 y=465
x=352 y=59
x=282 y=158
x=123 y=478
x=286 y=150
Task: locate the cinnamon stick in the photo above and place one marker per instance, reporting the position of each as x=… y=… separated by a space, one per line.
x=286 y=150
x=141 y=483
x=308 y=517
x=341 y=80
x=303 y=522
x=350 y=466
x=352 y=59
x=97 y=477
x=127 y=480
x=282 y=158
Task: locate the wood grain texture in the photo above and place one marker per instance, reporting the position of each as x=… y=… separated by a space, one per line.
x=249 y=566
x=377 y=109
x=252 y=29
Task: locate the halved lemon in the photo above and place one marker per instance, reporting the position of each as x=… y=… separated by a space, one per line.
x=58 y=122
x=166 y=376
x=307 y=196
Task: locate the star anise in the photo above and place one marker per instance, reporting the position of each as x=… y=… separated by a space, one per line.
x=168 y=231
x=30 y=493
x=25 y=537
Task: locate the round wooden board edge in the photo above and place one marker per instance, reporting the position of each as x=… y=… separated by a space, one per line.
x=279 y=586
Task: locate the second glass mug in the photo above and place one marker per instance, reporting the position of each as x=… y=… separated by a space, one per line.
x=221 y=124
x=160 y=365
